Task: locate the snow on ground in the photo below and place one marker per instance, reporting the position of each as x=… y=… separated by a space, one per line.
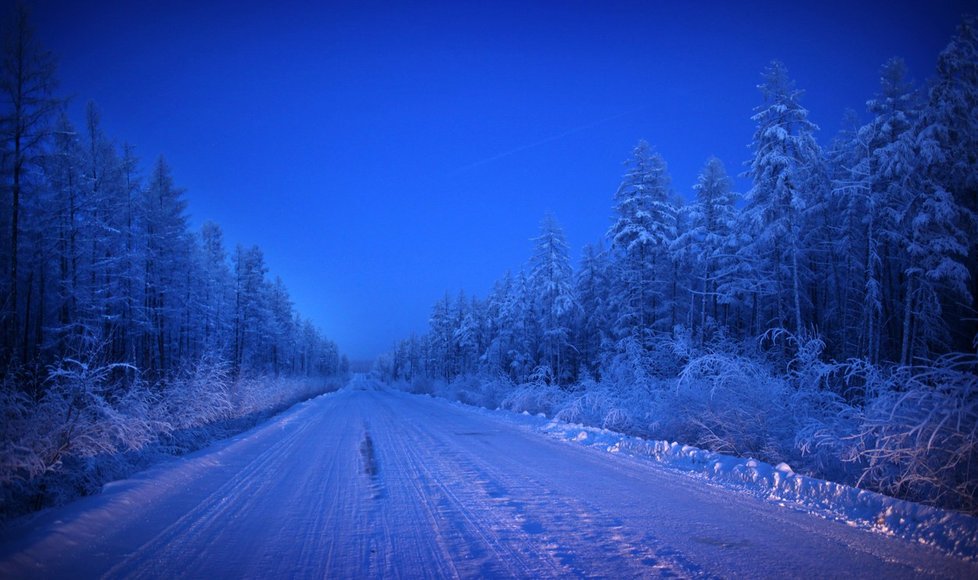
x=952 y=532
x=370 y=483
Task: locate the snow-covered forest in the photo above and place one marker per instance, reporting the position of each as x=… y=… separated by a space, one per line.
x=123 y=332
x=825 y=317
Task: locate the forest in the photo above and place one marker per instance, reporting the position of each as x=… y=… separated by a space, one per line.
x=826 y=317
x=124 y=333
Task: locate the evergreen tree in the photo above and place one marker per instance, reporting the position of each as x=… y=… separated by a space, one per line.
x=891 y=183
x=215 y=299
x=784 y=151
x=640 y=236
x=554 y=305
x=593 y=325
x=948 y=142
x=167 y=257
x=712 y=240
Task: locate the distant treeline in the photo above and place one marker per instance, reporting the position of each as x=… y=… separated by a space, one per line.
x=124 y=335
x=97 y=256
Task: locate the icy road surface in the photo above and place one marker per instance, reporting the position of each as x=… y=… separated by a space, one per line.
x=366 y=483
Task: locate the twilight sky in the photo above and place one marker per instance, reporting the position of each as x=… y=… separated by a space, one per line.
x=382 y=153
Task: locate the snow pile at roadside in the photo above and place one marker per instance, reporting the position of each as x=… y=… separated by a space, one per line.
x=952 y=532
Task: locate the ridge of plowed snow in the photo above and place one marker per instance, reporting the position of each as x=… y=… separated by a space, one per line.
x=953 y=532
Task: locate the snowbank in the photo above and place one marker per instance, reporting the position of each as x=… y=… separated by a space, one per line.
x=951 y=532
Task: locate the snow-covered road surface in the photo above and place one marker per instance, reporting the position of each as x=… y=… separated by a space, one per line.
x=368 y=483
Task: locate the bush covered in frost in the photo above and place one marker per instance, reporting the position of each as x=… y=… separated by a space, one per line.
x=90 y=423
x=910 y=432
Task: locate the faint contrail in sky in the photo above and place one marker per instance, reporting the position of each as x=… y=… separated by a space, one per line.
x=544 y=141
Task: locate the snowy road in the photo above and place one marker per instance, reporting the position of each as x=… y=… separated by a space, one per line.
x=364 y=483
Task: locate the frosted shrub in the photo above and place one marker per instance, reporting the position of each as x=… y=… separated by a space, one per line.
x=732 y=405
x=140 y=404
x=87 y=419
x=466 y=389
x=596 y=406
x=919 y=438
x=495 y=389
x=201 y=397
x=828 y=422
x=264 y=395
x=479 y=390
x=422 y=385
x=806 y=369
x=246 y=395
x=628 y=370
x=68 y=439
x=824 y=438
x=70 y=434
x=19 y=457
x=535 y=398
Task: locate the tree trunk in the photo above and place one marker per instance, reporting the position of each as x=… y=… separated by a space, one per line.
x=907 y=317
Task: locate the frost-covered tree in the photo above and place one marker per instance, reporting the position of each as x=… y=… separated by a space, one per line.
x=936 y=250
x=712 y=241
x=500 y=320
x=522 y=361
x=282 y=327
x=640 y=236
x=950 y=124
x=215 y=299
x=440 y=335
x=27 y=83
x=591 y=288
x=854 y=300
x=784 y=152
x=466 y=334
x=552 y=280
x=167 y=258
x=891 y=177
x=679 y=281
x=106 y=196
x=948 y=143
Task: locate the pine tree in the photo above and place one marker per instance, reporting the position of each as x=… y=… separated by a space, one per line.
x=551 y=277
x=891 y=177
x=854 y=245
x=501 y=323
x=949 y=146
x=215 y=300
x=167 y=257
x=442 y=329
x=64 y=172
x=593 y=325
x=640 y=236
x=711 y=239
x=784 y=150
x=465 y=334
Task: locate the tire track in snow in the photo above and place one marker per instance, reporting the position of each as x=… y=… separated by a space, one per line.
x=561 y=527
x=454 y=539
x=222 y=516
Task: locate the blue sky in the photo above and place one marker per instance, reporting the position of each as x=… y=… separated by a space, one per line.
x=382 y=153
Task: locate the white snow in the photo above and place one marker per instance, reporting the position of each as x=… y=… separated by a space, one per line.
x=952 y=532
x=370 y=483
